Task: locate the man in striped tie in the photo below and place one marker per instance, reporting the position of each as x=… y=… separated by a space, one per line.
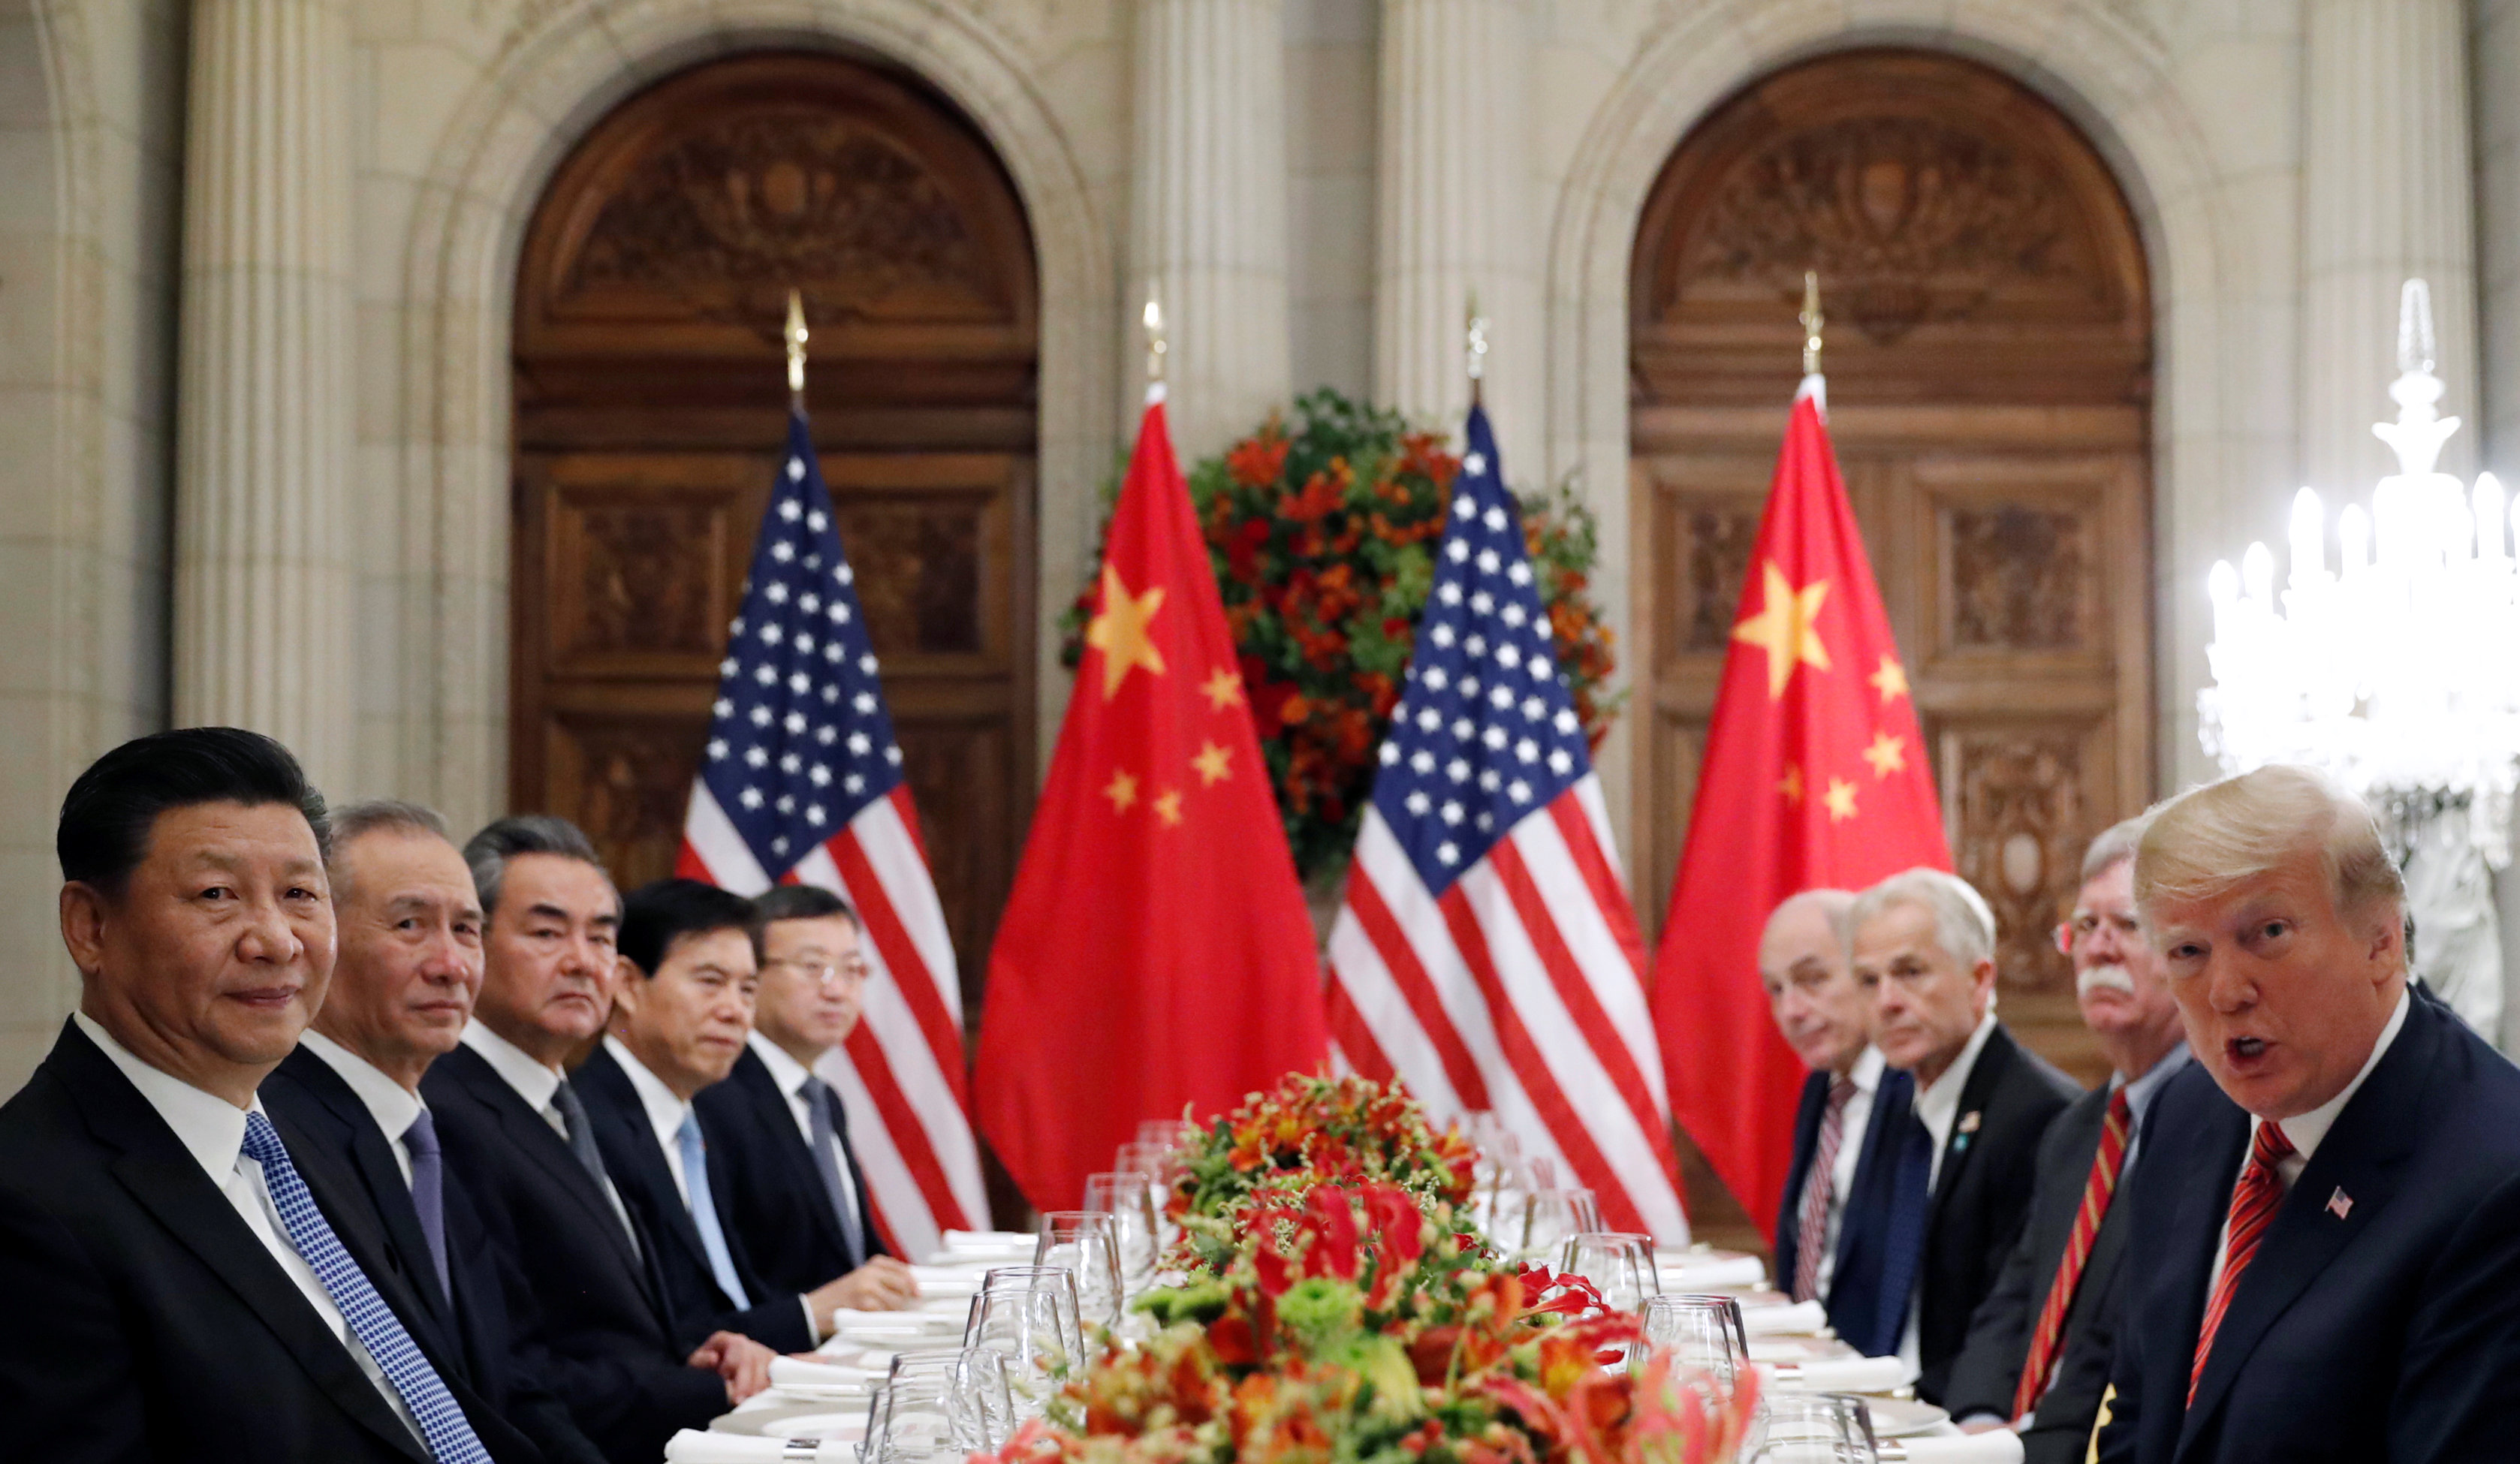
x=2040 y=1345
x=2324 y=1248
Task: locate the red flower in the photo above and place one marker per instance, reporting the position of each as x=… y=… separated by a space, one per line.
x=1256 y=461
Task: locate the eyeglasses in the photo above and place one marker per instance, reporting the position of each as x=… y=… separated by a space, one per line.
x=851 y=968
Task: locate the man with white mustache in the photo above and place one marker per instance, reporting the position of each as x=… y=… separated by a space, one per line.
x=2040 y=1345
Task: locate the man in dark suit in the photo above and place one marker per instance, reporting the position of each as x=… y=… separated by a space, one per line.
x=1839 y=1146
x=2327 y=1241
x=515 y=1127
x=1924 y=949
x=403 y=985
x=175 y=1285
x=793 y=1193
x=681 y=1014
x=2040 y=1345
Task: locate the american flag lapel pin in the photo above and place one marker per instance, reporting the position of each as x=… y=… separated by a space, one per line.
x=2340 y=1204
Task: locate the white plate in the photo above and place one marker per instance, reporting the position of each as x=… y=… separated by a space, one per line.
x=1904 y=1418
x=847 y=1428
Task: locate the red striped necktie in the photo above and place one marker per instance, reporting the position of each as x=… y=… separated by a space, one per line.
x=2046 y=1342
x=2254 y=1203
x=1810 y=1228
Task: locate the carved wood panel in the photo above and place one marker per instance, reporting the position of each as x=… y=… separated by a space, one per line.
x=1988 y=354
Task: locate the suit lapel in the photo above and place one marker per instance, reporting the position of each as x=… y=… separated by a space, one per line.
x=1960 y=1148
x=372 y=1157
x=529 y=1135
x=770 y=1110
x=630 y=1148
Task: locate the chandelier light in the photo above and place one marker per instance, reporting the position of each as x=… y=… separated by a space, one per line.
x=2397 y=670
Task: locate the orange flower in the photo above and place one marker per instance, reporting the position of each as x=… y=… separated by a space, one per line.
x=1256 y=461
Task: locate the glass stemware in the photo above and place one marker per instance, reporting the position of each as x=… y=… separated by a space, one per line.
x=1088 y=1244
x=1548 y=1216
x=1027 y=1314
x=1129 y=1198
x=1700 y=1332
x=1809 y=1427
x=1620 y=1267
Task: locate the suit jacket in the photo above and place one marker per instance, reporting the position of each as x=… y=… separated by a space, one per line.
x=772 y=1192
x=637 y=1162
x=1978 y=1204
x=609 y=1346
x=318 y=1114
x=1989 y=1367
x=2380 y=1316
x=147 y=1319
x=1856 y=1277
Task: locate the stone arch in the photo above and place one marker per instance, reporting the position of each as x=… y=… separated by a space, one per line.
x=515 y=123
x=2103 y=71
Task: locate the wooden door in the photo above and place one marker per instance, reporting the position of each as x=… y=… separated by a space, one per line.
x=650 y=414
x=1989 y=351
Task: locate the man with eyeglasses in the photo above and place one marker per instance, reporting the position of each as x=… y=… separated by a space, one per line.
x=795 y=1193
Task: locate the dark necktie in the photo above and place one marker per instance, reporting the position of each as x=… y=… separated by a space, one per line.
x=1810 y=1228
x=2254 y=1203
x=581 y=1134
x=443 y=1424
x=1912 y=1204
x=825 y=1145
x=2098 y=1190
x=428 y=1193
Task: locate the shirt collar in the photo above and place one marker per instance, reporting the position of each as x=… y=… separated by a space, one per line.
x=786 y=1071
x=534 y=1080
x=1938 y=1102
x=2140 y=1092
x=665 y=1112
x=210 y=1127
x=2306 y=1130
x=394 y=1107
x=1869 y=1067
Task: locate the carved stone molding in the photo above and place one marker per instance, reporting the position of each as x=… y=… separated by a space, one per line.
x=2017 y=577
x=2022 y=826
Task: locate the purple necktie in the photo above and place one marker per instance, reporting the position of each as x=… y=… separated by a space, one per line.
x=428 y=1193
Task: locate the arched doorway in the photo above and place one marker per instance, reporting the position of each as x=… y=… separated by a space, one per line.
x=650 y=412
x=1989 y=359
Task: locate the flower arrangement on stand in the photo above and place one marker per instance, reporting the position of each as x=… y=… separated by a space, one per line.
x=1341 y=1309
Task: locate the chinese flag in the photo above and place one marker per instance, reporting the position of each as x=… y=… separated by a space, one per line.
x=1157 y=950
x=1814 y=777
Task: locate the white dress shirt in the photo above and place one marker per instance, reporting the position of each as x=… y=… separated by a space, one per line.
x=1938 y=1108
x=212 y=1131
x=538 y=1084
x=1852 y=1123
x=791 y=1076
x=394 y=1107
x=2306 y=1132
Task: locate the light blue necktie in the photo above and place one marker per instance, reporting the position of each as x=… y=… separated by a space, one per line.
x=441 y=1419
x=704 y=1210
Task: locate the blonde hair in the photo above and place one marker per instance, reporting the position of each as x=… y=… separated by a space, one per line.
x=2209 y=841
x=1964 y=926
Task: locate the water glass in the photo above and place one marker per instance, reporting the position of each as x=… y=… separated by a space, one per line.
x=1698 y=1332
x=1130 y=1200
x=1808 y=1427
x=1154 y=1160
x=1620 y=1267
x=1548 y=1216
x=1166 y=1133
x=1027 y=1314
x=1089 y=1244
x=972 y=1385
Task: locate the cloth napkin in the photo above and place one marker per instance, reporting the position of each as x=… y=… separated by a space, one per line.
x=789 y=1372
x=968 y=1273
x=962 y=1245
x=1843 y=1375
x=2000 y=1446
x=1797 y=1319
x=691 y=1446
x=1710 y=1273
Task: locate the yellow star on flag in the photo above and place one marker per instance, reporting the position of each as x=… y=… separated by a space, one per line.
x=1168 y=807
x=1840 y=799
x=1891 y=680
x=1119 y=631
x=1212 y=764
x=1223 y=689
x=1786 y=627
x=1887 y=755
x=1793 y=786
x=1122 y=791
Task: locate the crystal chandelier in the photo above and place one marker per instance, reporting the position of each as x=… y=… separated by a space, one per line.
x=2398 y=671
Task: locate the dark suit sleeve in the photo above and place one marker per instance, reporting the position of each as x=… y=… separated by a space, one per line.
x=1989 y=1366
x=2458 y=1386
x=66 y=1372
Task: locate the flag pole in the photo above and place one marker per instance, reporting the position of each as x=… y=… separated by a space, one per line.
x=1475 y=350
x=1812 y=320
x=795 y=335
x=1153 y=321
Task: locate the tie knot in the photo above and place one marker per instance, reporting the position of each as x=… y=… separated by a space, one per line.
x=261 y=1140
x=2270 y=1146
x=814 y=1088
x=689 y=1134
x=2120 y=1108
x=422 y=1136
x=1841 y=1090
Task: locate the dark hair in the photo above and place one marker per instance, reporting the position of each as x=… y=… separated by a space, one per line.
x=801 y=902
x=113 y=808
x=489 y=851
x=657 y=916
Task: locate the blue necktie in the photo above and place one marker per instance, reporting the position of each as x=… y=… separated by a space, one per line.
x=704 y=1210
x=818 y=1100
x=441 y=1419
x=428 y=1193
x=1904 y=1253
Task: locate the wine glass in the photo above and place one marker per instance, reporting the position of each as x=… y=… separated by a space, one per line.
x=1808 y=1427
x=1130 y=1200
x=1549 y=1215
x=1154 y=1160
x=1166 y=1133
x=1700 y=1332
x=1088 y=1244
x=1027 y=1314
x=1620 y=1267
x=972 y=1385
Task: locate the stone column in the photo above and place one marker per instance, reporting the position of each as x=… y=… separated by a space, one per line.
x=1458 y=214
x=2387 y=193
x=263 y=604
x=1210 y=214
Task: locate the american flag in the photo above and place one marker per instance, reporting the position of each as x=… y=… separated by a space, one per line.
x=802 y=782
x=1486 y=953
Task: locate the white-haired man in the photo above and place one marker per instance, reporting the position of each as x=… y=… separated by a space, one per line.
x=1924 y=948
x=2326 y=1238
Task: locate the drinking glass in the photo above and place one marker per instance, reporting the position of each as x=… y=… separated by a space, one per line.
x=1701 y=1332
x=1130 y=1200
x=1620 y=1267
x=1088 y=1244
x=971 y=1384
x=1154 y=1160
x=1027 y=1314
x=1807 y=1428
x=1549 y=1215
x=1858 y=1410
x=1165 y=1134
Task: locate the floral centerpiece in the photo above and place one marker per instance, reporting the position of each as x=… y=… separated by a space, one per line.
x=1323 y=535
x=1341 y=1310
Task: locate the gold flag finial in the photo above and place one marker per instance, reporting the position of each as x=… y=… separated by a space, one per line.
x=1475 y=347
x=1153 y=319
x=1811 y=321
x=796 y=333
